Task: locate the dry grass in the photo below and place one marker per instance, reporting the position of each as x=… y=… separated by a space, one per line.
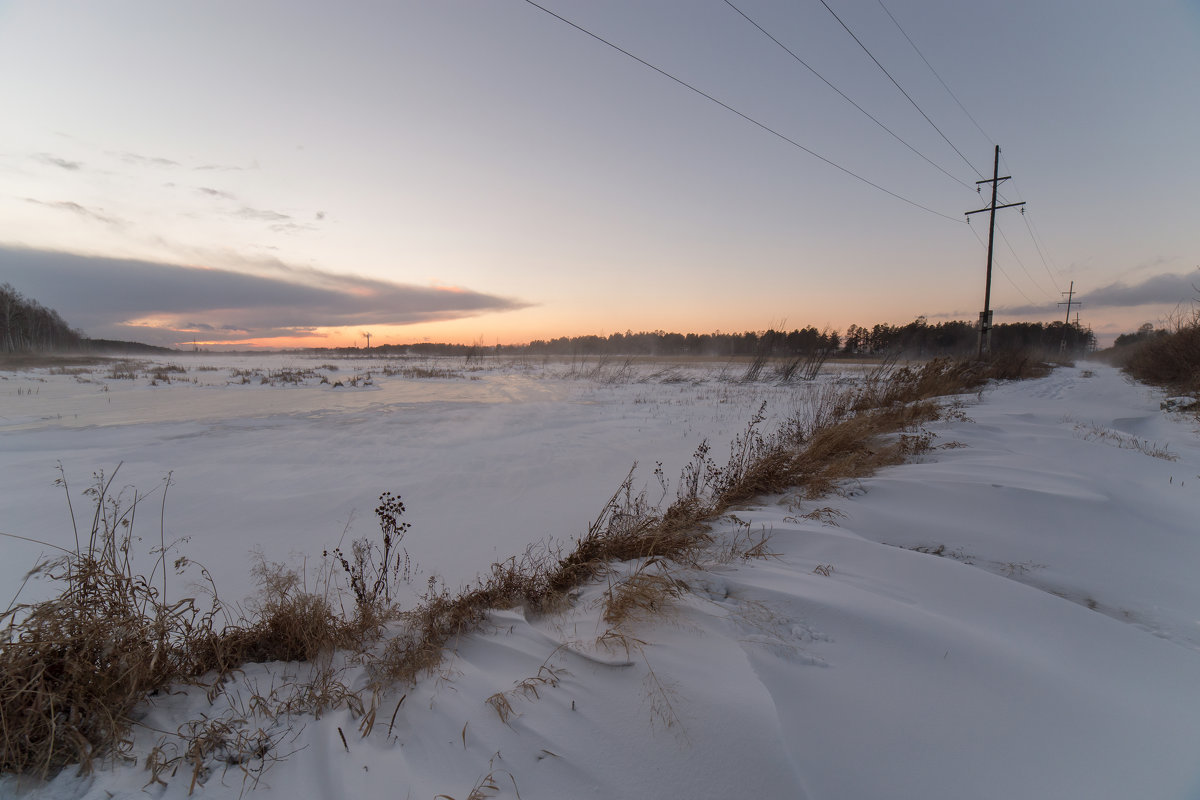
x=1093 y=432
x=530 y=688
x=420 y=372
x=286 y=623
x=1171 y=360
x=486 y=786
x=230 y=740
x=647 y=590
x=73 y=668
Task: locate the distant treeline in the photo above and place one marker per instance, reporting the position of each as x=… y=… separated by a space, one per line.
x=1143 y=334
x=916 y=339
x=27 y=326
x=919 y=338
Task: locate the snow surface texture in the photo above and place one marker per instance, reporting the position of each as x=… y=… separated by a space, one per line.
x=486 y=463
x=1013 y=617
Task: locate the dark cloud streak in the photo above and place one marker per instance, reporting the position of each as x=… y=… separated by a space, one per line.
x=76 y=208
x=1163 y=289
x=145 y=161
x=215 y=193
x=55 y=161
x=102 y=295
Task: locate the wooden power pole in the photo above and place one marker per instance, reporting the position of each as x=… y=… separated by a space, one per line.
x=1069 y=293
x=985 y=316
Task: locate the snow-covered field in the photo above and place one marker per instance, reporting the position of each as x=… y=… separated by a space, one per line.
x=1014 y=617
x=487 y=461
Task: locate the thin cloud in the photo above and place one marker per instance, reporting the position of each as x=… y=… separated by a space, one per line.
x=208 y=190
x=291 y=227
x=144 y=161
x=166 y=303
x=223 y=168
x=263 y=215
x=76 y=208
x=55 y=161
x=1151 y=263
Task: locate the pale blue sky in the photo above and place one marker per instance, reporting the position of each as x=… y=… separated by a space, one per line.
x=489 y=147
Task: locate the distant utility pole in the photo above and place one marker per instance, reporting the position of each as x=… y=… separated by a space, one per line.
x=1070 y=293
x=985 y=316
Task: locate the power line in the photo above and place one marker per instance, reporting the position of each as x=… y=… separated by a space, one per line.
x=1038 y=246
x=1033 y=235
x=901 y=88
x=744 y=116
x=1000 y=269
x=1021 y=263
x=844 y=96
x=935 y=73
x=1031 y=301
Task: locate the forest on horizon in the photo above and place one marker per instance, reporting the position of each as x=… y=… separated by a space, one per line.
x=26 y=326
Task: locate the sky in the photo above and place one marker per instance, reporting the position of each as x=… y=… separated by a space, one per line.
x=288 y=173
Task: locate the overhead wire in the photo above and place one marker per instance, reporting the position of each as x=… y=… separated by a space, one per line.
x=1000 y=269
x=1033 y=235
x=1008 y=277
x=1013 y=250
x=846 y=97
x=1024 y=216
x=935 y=73
x=901 y=88
x=1038 y=246
x=1021 y=264
x=741 y=114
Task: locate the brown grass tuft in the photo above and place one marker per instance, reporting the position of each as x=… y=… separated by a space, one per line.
x=649 y=589
x=72 y=669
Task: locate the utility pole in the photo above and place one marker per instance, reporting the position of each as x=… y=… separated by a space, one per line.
x=985 y=316
x=1070 y=293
